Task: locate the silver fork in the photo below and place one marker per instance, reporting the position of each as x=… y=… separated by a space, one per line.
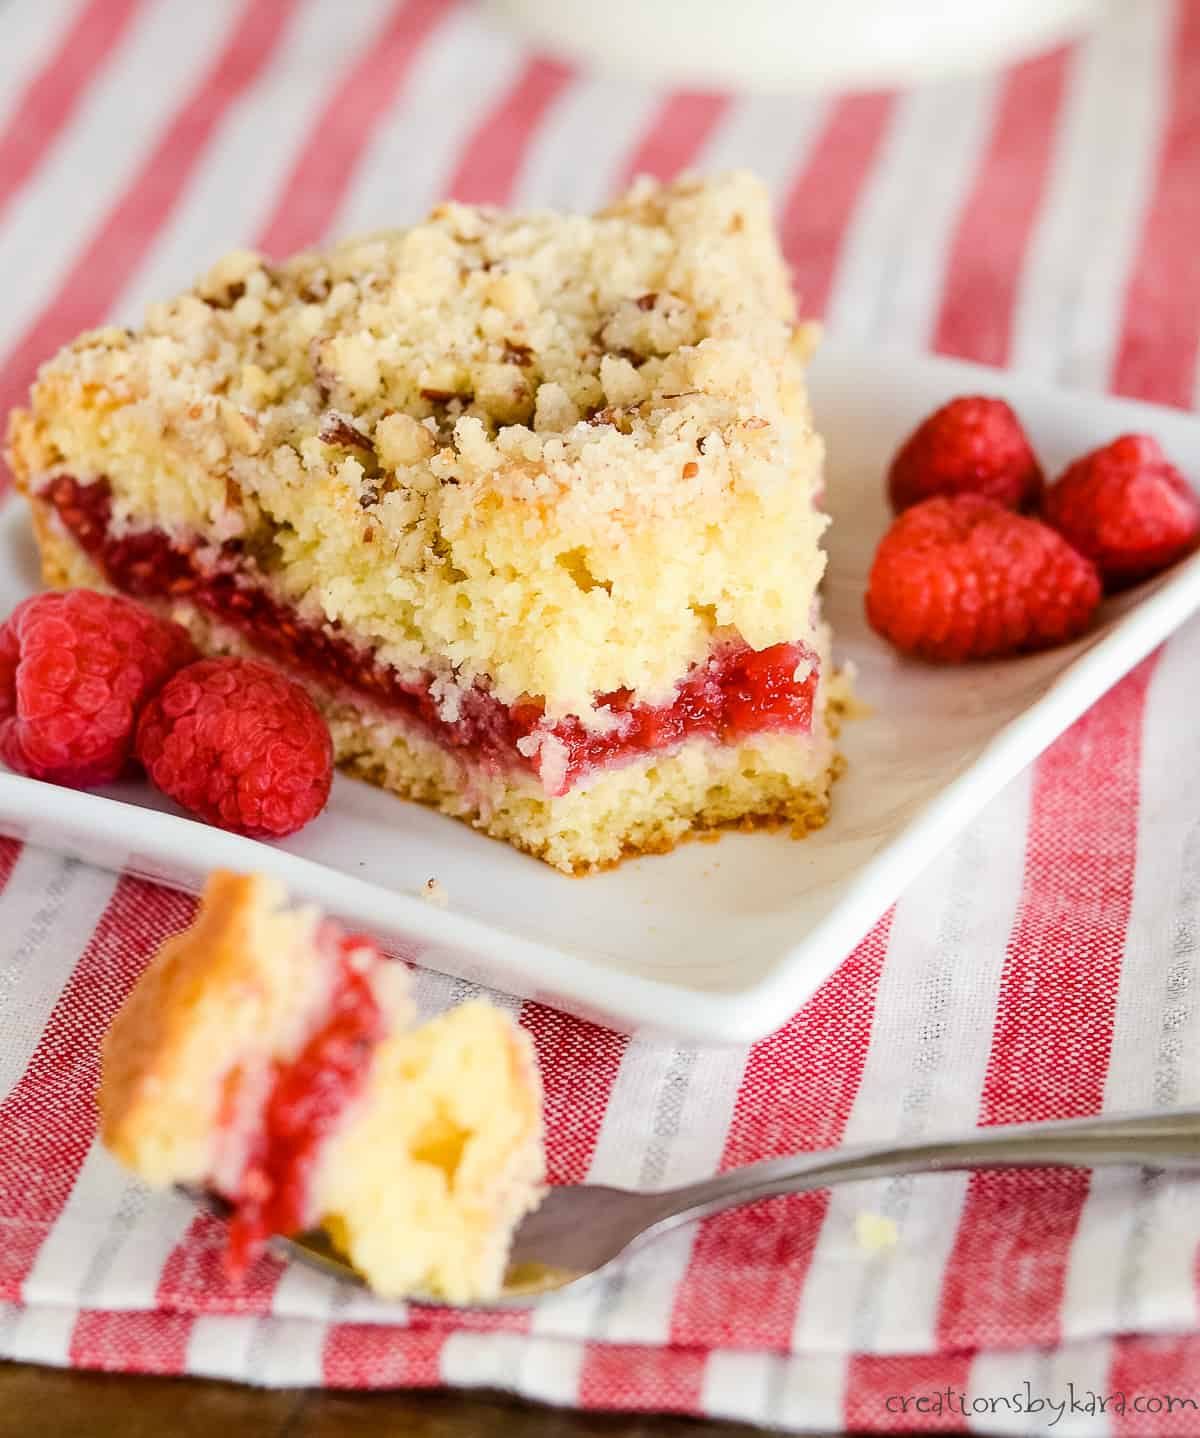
x=580 y=1229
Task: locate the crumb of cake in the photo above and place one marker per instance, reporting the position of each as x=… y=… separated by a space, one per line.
x=875 y=1232
x=844 y=699
x=269 y=1057
x=435 y=893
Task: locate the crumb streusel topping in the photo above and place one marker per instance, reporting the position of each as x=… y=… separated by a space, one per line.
x=558 y=453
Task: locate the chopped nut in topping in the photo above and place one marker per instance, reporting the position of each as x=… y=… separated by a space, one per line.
x=340 y=429
x=517 y=354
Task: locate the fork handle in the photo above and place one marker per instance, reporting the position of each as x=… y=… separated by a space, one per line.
x=1170 y=1140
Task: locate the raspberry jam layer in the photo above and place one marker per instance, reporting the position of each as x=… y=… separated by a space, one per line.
x=307 y=1100
x=736 y=693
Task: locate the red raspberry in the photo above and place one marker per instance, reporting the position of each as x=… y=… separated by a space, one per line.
x=965 y=578
x=75 y=670
x=1127 y=508
x=973 y=445
x=240 y=746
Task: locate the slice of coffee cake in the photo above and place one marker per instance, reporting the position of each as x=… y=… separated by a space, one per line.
x=529 y=502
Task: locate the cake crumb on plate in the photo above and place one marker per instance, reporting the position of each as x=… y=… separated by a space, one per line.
x=434 y=893
x=875 y=1232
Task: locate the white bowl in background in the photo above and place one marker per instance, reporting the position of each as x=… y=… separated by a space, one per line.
x=781 y=45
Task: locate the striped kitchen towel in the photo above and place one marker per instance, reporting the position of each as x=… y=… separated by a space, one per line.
x=1044 y=966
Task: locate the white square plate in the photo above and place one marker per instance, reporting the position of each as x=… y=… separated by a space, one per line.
x=717 y=943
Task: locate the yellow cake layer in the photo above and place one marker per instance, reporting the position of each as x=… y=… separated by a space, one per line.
x=422 y=1188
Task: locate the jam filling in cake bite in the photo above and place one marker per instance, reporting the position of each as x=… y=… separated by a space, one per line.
x=309 y=1096
x=734 y=694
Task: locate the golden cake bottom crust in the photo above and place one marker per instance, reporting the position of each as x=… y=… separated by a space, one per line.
x=644 y=807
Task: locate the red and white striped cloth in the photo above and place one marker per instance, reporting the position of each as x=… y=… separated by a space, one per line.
x=1046 y=217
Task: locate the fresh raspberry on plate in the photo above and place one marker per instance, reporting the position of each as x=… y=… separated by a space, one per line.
x=75 y=670
x=239 y=745
x=1127 y=508
x=964 y=578
x=973 y=445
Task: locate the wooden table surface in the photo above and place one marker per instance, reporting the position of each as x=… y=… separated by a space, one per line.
x=57 y=1403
